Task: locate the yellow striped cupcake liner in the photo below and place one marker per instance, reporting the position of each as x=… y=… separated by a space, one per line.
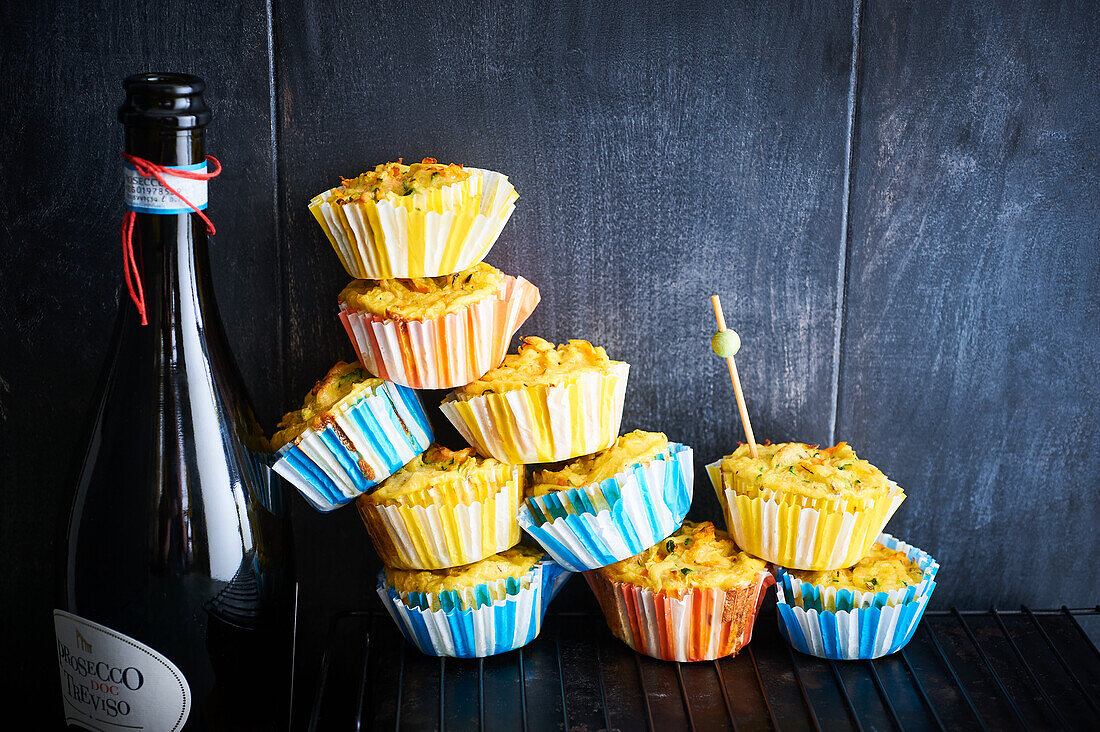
x=798 y=532
x=543 y=424
x=428 y=234
x=449 y=524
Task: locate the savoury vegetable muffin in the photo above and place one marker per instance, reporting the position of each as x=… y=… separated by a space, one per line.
x=804 y=507
x=539 y=363
x=398 y=179
x=351 y=432
x=421 y=220
x=804 y=470
x=445 y=508
x=437 y=468
x=604 y=507
x=481 y=609
x=696 y=555
x=339 y=382
x=543 y=404
x=692 y=597
x=436 y=332
x=423 y=297
x=882 y=570
x=635 y=447
x=867 y=611
x=514 y=563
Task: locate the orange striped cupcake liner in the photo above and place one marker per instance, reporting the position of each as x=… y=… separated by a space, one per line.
x=701 y=624
x=445 y=352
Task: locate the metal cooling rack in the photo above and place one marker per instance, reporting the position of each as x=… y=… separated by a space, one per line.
x=984 y=670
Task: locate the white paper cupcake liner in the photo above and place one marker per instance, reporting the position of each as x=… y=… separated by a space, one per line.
x=369 y=439
x=434 y=234
x=858 y=633
x=543 y=424
x=445 y=352
x=695 y=625
x=597 y=525
x=483 y=629
x=804 y=533
x=448 y=530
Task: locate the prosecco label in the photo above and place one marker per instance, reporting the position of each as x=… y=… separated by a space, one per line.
x=149 y=195
x=109 y=681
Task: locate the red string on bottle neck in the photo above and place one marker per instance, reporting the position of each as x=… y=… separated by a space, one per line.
x=130 y=270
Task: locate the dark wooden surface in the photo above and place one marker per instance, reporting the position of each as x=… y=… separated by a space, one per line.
x=577 y=676
x=942 y=317
x=969 y=362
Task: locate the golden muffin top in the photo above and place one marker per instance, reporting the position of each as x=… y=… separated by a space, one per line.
x=514 y=562
x=341 y=380
x=423 y=297
x=539 y=362
x=697 y=555
x=437 y=466
x=633 y=447
x=882 y=570
x=398 y=179
x=807 y=470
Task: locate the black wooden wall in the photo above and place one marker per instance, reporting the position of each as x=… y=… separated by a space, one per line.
x=898 y=202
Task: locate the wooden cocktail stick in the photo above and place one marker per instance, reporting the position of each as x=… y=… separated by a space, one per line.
x=726 y=347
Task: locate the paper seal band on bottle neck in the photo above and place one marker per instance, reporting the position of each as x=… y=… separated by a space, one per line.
x=148 y=195
x=157 y=190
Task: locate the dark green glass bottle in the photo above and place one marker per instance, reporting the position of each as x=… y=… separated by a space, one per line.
x=176 y=607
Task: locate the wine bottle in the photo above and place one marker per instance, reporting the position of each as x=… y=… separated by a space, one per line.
x=177 y=594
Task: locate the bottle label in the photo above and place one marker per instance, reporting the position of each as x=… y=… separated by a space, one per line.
x=148 y=195
x=111 y=682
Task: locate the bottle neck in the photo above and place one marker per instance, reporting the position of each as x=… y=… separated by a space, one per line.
x=171 y=249
x=166 y=146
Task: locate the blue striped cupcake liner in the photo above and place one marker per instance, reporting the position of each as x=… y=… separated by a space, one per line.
x=369 y=439
x=863 y=625
x=267 y=492
x=818 y=597
x=482 y=621
x=603 y=523
x=468 y=598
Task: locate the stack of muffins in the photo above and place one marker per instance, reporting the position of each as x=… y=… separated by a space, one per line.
x=425 y=312
x=545 y=454
x=845 y=590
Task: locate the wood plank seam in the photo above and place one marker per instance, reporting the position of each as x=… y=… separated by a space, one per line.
x=276 y=196
x=845 y=219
